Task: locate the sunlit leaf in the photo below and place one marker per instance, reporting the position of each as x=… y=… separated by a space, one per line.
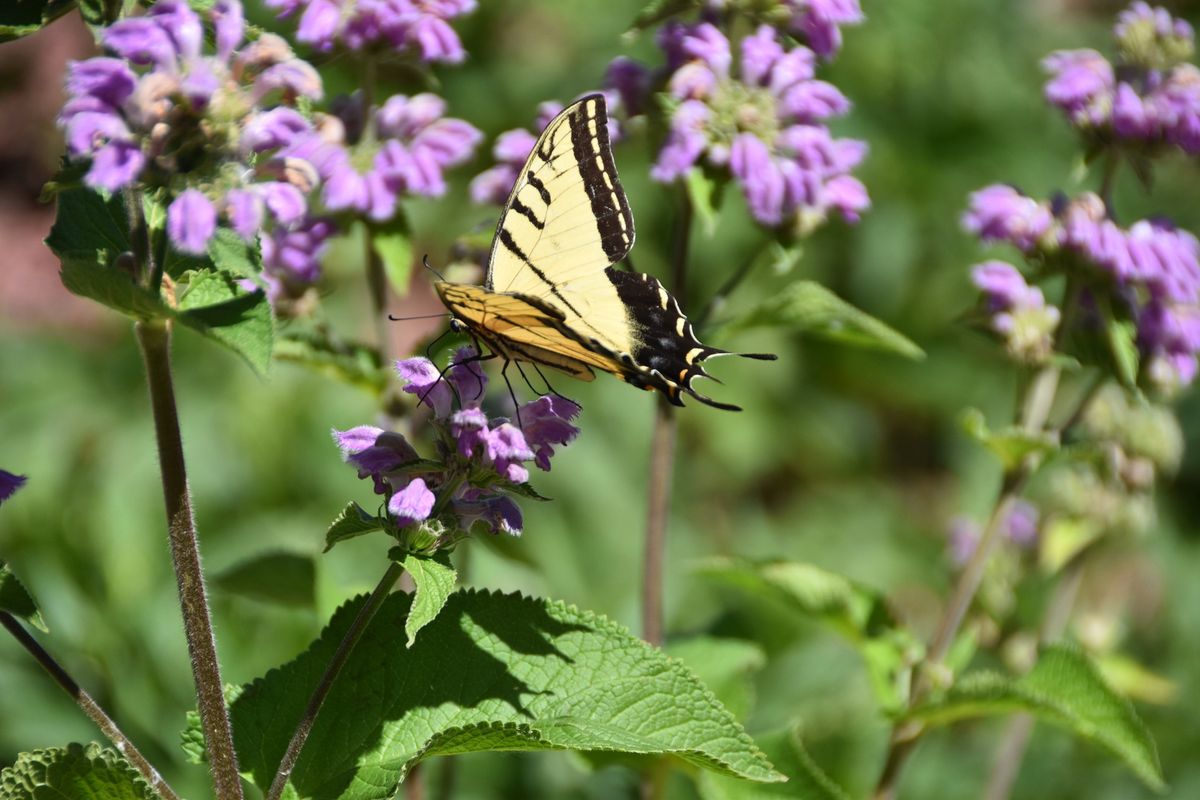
x=1012 y=444
x=1064 y=688
x=434 y=580
x=353 y=521
x=74 y=772
x=216 y=305
x=491 y=672
x=726 y=666
x=15 y=599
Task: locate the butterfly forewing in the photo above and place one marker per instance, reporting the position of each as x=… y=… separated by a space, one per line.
x=565 y=222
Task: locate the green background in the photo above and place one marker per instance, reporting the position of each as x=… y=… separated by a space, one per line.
x=849 y=459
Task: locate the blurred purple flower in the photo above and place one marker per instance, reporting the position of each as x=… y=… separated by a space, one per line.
x=9 y=483
x=292 y=255
x=820 y=21
x=191 y=222
x=961 y=540
x=1021 y=525
x=766 y=125
x=1001 y=213
x=418 y=26
x=1019 y=312
x=424 y=380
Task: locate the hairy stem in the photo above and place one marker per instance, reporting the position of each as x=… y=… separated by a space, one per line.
x=662 y=459
x=148 y=272
x=1035 y=409
x=154 y=337
x=1011 y=751
x=349 y=640
x=89 y=706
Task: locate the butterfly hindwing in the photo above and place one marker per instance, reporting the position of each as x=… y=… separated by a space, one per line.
x=552 y=296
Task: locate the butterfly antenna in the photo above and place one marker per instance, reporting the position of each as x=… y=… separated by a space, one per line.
x=428 y=266
x=394 y=318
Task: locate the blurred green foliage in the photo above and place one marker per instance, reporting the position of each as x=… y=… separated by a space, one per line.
x=848 y=459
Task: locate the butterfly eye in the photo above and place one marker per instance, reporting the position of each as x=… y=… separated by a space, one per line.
x=457 y=325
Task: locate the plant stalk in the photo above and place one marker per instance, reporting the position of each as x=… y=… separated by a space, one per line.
x=1016 y=737
x=1039 y=397
x=89 y=706
x=349 y=640
x=154 y=338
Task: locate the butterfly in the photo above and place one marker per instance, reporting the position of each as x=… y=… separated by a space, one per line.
x=552 y=295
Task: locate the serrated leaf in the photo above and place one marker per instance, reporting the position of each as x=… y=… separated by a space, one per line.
x=1012 y=445
x=231 y=253
x=809 y=307
x=15 y=599
x=74 y=772
x=100 y=13
x=350 y=362
x=1064 y=688
x=215 y=305
x=491 y=672
x=191 y=739
x=353 y=521
x=287 y=579
x=434 y=580
x=726 y=666
x=703 y=192
x=87 y=222
x=805 y=779
x=855 y=611
x=395 y=250
x=22 y=17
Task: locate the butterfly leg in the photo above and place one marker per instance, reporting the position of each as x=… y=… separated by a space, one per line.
x=511 y=393
x=550 y=389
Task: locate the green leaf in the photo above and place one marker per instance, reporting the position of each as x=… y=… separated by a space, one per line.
x=656 y=11
x=1012 y=445
x=809 y=307
x=351 y=522
x=231 y=253
x=491 y=672
x=100 y=13
x=16 y=600
x=74 y=772
x=349 y=362
x=725 y=666
x=22 y=17
x=1122 y=343
x=88 y=222
x=704 y=192
x=856 y=612
x=434 y=580
x=216 y=306
x=287 y=579
x=1064 y=688
x=395 y=250
x=805 y=778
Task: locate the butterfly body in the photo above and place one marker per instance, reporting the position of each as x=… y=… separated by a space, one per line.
x=552 y=296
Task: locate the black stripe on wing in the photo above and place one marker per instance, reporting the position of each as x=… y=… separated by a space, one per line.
x=598 y=171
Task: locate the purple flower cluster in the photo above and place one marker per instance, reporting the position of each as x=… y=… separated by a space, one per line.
x=1019 y=312
x=402 y=149
x=1153 y=267
x=766 y=125
x=1150 y=97
x=513 y=147
x=161 y=107
x=480 y=459
x=420 y=26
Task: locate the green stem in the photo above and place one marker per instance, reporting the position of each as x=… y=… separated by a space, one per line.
x=89 y=706
x=1108 y=181
x=1039 y=397
x=154 y=337
x=349 y=640
x=1011 y=751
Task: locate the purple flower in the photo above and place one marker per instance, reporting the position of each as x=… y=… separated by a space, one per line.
x=469 y=429
x=500 y=513
x=1001 y=213
x=631 y=80
x=765 y=126
x=466 y=377
x=418 y=26
x=9 y=483
x=292 y=256
x=820 y=21
x=1080 y=84
x=109 y=80
x=1019 y=312
x=1169 y=337
x=506 y=449
x=547 y=422
x=191 y=222
x=375 y=452
x=1021 y=524
x=962 y=539
x=424 y=380
x=412 y=504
